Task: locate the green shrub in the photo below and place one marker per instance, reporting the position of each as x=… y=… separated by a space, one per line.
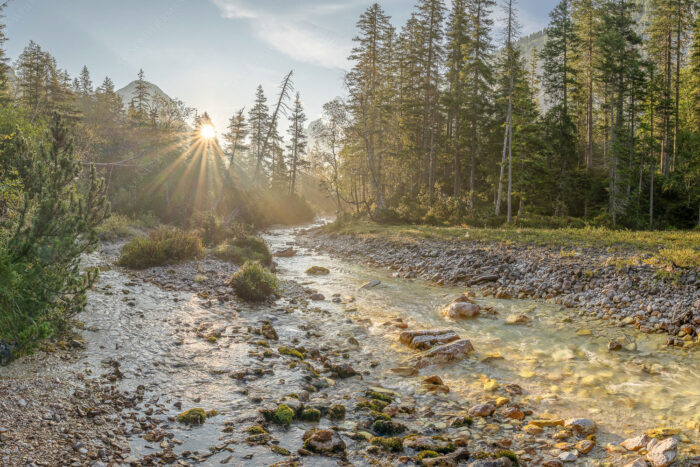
x=253 y=282
x=50 y=208
x=242 y=250
x=160 y=247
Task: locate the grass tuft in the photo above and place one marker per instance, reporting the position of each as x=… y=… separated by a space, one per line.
x=160 y=247
x=254 y=283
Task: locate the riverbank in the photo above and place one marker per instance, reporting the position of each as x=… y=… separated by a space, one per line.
x=328 y=373
x=627 y=278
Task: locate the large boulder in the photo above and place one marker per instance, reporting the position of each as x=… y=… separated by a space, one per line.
x=427 y=339
x=448 y=353
x=461 y=310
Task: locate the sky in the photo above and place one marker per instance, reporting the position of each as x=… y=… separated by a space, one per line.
x=212 y=54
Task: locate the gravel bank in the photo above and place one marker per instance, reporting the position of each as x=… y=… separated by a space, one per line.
x=590 y=279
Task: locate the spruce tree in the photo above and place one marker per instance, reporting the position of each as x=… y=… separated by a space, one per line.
x=236 y=136
x=85 y=88
x=478 y=81
x=368 y=83
x=297 y=142
x=259 y=123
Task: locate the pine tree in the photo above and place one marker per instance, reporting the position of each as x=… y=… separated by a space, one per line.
x=557 y=80
x=259 y=123
x=140 y=102
x=585 y=17
x=236 y=136
x=85 y=88
x=695 y=71
x=430 y=16
x=33 y=69
x=457 y=39
x=510 y=59
x=478 y=80
x=297 y=142
x=367 y=83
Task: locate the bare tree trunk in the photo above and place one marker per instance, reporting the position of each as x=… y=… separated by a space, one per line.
x=503 y=168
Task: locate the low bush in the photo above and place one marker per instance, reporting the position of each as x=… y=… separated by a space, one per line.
x=253 y=282
x=160 y=247
x=242 y=250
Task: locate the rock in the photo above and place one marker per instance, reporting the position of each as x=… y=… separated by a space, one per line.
x=325 y=442
x=585 y=446
x=482 y=410
x=311 y=415
x=614 y=345
x=663 y=453
x=286 y=253
x=638 y=462
x=434 y=379
x=514 y=413
x=531 y=429
x=343 y=370
x=581 y=426
x=552 y=463
x=5 y=353
x=461 y=310
x=317 y=271
x=283 y=415
x=484 y=278
x=517 y=319
x=194 y=416
x=317 y=297
x=427 y=339
x=448 y=460
x=404 y=371
x=336 y=412
x=370 y=284
x=448 y=353
x=636 y=443
x=567 y=457
x=500 y=462
x=269 y=332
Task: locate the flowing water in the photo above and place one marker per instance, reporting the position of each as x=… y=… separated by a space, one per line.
x=560 y=358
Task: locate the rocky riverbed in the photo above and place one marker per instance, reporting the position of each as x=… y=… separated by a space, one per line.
x=169 y=367
x=590 y=279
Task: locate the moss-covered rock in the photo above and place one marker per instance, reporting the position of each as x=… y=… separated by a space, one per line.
x=372 y=404
x=317 y=271
x=336 y=412
x=283 y=415
x=280 y=450
x=195 y=416
x=426 y=454
x=256 y=430
x=311 y=415
x=389 y=444
x=290 y=352
x=379 y=396
x=388 y=427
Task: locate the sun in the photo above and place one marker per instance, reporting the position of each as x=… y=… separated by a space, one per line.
x=207 y=131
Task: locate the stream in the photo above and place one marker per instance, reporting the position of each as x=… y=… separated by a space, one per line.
x=560 y=358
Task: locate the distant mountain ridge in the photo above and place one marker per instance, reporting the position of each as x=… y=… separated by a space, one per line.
x=128 y=92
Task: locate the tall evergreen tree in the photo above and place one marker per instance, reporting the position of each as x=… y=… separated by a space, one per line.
x=259 y=123
x=297 y=142
x=4 y=67
x=557 y=80
x=85 y=88
x=236 y=136
x=368 y=84
x=478 y=80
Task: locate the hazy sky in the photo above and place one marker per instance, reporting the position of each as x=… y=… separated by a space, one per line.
x=210 y=53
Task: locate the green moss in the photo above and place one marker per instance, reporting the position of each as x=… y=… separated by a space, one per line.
x=509 y=454
x=262 y=344
x=389 y=444
x=212 y=413
x=425 y=454
x=311 y=415
x=317 y=271
x=387 y=427
x=373 y=404
x=280 y=450
x=194 y=416
x=283 y=415
x=253 y=282
x=256 y=430
x=212 y=339
x=290 y=352
x=379 y=416
x=336 y=412
x=379 y=396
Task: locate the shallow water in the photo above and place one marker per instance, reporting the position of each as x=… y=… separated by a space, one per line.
x=559 y=358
